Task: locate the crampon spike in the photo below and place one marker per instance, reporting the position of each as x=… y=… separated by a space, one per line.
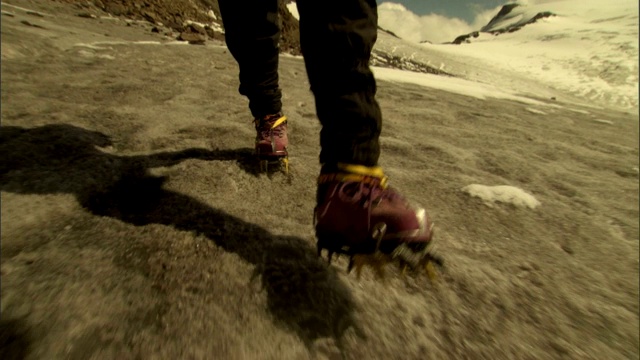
x=431 y=272
x=403 y=272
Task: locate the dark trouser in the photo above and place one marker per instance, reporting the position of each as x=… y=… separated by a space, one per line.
x=336 y=37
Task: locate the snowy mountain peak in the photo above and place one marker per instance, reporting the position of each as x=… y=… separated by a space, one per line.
x=510 y=19
x=585 y=48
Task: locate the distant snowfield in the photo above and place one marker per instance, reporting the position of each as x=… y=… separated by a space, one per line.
x=589 y=50
x=450 y=84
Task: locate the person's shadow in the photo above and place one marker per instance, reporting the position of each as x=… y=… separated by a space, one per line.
x=303 y=293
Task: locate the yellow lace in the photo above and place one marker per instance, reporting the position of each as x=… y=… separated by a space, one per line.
x=356 y=173
x=279 y=121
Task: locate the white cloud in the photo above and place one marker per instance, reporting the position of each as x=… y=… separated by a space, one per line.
x=432 y=27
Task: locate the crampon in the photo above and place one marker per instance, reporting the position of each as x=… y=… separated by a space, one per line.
x=361 y=217
x=407 y=258
x=272 y=142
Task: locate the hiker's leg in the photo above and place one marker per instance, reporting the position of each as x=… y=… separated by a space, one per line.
x=337 y=37
x=252 y=34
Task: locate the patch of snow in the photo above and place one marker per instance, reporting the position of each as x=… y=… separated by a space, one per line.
x=451 y=84
x=92 y=46
x=535 y=111
x=96 y=45
x=502 y=193
x=91 y=54
x=579 y=111
x=293 y=9
x=190 y=22
x=109 y=17
x=601 y=121
x=23 y=9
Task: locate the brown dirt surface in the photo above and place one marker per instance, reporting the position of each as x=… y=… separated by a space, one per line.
x=135 y=224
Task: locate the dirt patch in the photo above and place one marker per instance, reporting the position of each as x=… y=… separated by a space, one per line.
x=135 y=222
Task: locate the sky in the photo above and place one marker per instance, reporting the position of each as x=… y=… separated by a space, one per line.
x=436 y=20
x=462 y=9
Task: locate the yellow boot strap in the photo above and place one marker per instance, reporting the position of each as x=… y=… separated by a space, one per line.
x=356 y=173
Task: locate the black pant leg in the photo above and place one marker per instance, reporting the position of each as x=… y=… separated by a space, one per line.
x=252 y=35
x=337 y=37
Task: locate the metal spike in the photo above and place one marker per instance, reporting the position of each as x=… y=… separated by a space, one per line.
x=377 y=267
x=350 y=266
x=431 y=271
x=359 y=266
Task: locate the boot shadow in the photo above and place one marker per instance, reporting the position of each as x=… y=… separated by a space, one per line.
x=303 y=293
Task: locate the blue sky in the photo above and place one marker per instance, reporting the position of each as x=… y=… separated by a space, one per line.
x=463 y=9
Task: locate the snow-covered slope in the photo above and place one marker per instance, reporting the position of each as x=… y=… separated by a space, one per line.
x=589 y=50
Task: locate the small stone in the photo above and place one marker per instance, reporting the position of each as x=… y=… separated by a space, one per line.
x=567 y=249
x=34 y=13
x=87 y=15
x=418 y=321
x=195 y=28
x=210 y=32
x=116 y=9
x=192 y=38
x=25 y=22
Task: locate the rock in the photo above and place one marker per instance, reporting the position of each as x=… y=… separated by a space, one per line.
x=213 y=34
x=465 y=38
x=210 y=32
x=150 y=16
x=115 y=9
x=418 y=321
x=87 y=15
x=25 y=22
x=192 y=38
x=98 y=4
x=34 y=13
x=197 y=28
